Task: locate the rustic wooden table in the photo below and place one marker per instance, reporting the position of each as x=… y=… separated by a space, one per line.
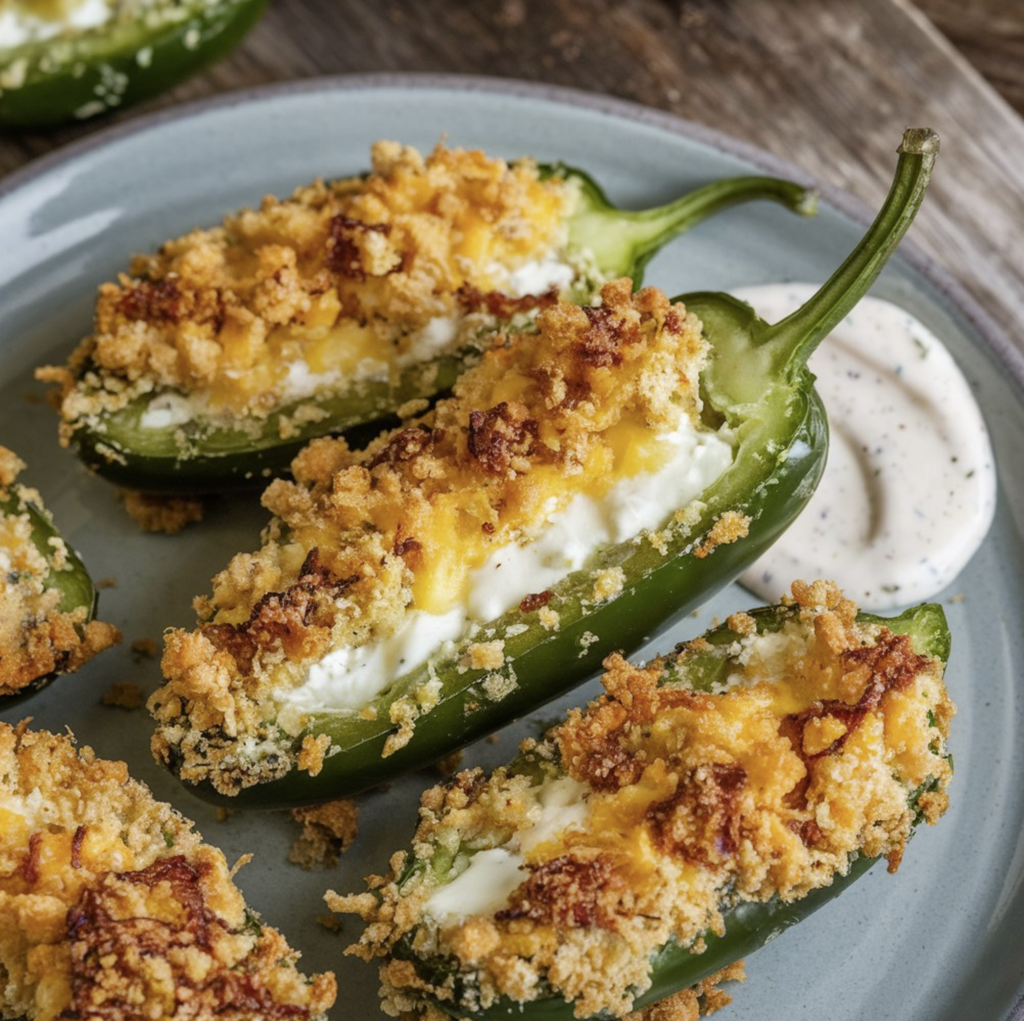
x=826 y=85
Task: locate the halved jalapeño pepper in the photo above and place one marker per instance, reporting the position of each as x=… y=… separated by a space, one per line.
x=705 y=803
x=73 y=64
x=47 y=597
x=292 y=690
x=329 y=312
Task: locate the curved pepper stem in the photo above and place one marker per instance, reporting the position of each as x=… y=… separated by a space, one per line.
x=623 y=241
x=795 y=337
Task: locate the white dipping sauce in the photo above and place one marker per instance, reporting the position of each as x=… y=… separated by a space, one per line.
x=909 y=489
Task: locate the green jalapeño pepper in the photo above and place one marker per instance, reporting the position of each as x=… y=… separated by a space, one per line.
x=756 y=392
x=65 y=71
x=167 y=438
x=701 y=806
x=47 y=597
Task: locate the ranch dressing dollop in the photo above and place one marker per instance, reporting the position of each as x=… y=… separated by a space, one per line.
x=909 y=489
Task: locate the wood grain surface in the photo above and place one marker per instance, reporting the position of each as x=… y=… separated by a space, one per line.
x=990 y=34
x=828 y=85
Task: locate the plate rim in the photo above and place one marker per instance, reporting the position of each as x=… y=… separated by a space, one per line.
x=998 y=341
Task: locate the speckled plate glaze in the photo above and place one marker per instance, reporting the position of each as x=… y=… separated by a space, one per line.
x=940 y=940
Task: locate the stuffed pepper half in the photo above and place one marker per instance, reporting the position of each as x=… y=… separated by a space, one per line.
x=112 y=907
x=705 y=802
x=224 y=351
x=47 y=599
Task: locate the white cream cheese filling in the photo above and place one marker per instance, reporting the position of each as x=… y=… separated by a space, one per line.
x=438 y=336
x=539 y=277
x=32 y=807
x=348 y=678
x=169 y=410
x=483 y=887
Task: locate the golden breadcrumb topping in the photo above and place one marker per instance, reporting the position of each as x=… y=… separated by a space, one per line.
x=344 y=280
x=113 y=907
x=360 y=539
x=37 y=637
x=672 y=804
x=698 y=1001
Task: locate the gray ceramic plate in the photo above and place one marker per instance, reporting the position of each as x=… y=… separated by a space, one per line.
x=943 y=938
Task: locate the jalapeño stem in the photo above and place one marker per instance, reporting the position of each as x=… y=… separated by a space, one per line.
x=792 y=340
x=623 y=241
x=747 y=352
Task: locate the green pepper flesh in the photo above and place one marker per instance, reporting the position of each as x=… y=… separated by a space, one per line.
x=72 y=77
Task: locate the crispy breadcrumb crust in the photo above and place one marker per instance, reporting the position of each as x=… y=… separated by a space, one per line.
x=37 y=638
x=700 y=1000
x=341 y=276
x=360 y=538
x=817 y=751
x=113 y=908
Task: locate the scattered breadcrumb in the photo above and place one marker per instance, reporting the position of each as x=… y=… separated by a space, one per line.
x=312 y=753
x=549 y=619
x=144 y=648
x=328 y=831
x=698 y=1001
x=741 y=623
x=448 y=765
x=608 y=583
x=486 y=655
x=332 y=923
x=124 y=695
x=499 y=686
x=154 y=512
x=730 y=527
